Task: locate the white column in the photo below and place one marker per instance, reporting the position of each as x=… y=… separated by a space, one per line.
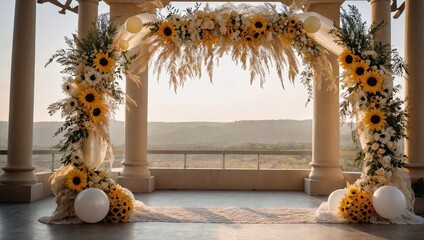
x=380 y=11
x=326 y=174
x=135 y=173
x=87 y=15
x=414 y=86
x=19 y=183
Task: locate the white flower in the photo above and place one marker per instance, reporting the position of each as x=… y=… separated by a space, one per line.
x=382 y=137
x=70 y=106
x=375 y=146
x=223 y=29
x=208 y=24
x=381 y=151
x=96 y=178
x=105 y=185
x=76 y=157
x=92 y=77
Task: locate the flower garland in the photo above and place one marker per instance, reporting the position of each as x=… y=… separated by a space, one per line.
x=94 y=64
x=369 y=97
x=257 y=37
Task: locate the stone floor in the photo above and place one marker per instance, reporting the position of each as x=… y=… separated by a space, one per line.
x=19 y=221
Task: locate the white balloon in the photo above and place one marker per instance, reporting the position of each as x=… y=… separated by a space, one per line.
x=91 y=205
x=389 y=202
x=311 y=24
x=133 y=24
x=335 y=198
x=123 y=45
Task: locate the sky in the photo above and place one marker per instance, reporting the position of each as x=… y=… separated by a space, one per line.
x=230 y=97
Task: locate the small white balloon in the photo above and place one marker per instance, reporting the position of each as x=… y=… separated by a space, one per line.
x=91 y=205
x=123 y=45
x=311 y=24
x=389 y=202
x=334 y=199
x=133 y=24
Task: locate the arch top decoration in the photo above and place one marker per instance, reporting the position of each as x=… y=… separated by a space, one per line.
x=256 y=37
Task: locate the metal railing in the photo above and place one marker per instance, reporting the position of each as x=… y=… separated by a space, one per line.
x=186 y=153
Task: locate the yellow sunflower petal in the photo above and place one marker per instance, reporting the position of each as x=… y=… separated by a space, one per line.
x=258 y=24
x=89 y=97
x=372 y=82
x=98 y=112
x=358 y=69
x=103 y=63
x=375 y=119
x=166 y=31
x=347 y=59
x=76 y=180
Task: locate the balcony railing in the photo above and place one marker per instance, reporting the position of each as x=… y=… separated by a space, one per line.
x=223 y=159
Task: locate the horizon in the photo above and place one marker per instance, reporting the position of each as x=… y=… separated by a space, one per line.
x=198 y=101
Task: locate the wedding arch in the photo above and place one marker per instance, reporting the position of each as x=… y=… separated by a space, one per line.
x=257 y=38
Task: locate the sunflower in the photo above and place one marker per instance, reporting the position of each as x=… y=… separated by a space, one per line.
x=291 y=32
x=89 y=97
x=358 y=70
x=76 y=180
x=103 y=63
x=258 y=24
x=347 y=59
x=98 y=112
x=372 y=82
x=375 y=119
x=167 y=31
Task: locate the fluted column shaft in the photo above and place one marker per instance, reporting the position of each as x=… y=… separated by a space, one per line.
x=19 y=169
x=414 y=86
x=326 y=174
x=88 y=10
x=135 y=174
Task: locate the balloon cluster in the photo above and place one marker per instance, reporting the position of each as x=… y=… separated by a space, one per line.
x=387 y=201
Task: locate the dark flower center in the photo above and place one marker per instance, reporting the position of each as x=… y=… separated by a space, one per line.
x=76 y=181
x=96 y=112
x=362 y=98
x=258 y=25
x=248 y=38
x=382 y=135
x=256 y=35
x=89 y=97
x=167 y=31
x=372 y=81
x=292 y=21
x=82 y=77
x=349 y=59
x=93 y=77
x=360 y=71
x=375 y=119
x=72 y=104
x=104 y=62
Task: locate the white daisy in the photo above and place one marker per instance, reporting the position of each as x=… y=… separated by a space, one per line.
x=76 y=157
x=92 y=77
x=70 y=106
x=383 y=136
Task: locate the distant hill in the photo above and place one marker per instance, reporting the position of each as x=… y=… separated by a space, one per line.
x=195 y=133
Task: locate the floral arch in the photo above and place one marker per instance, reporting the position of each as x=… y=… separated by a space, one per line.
x=257 y=38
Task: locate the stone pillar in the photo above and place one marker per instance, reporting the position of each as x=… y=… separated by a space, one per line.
x=414 y=86
x=135 y=173
x=380 y=11
x=19 y=183
x=88 y=10
x=326 y=174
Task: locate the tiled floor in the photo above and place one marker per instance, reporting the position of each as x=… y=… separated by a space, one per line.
x=19 y=221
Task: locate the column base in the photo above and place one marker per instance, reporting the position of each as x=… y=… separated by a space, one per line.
x=138 y=185
x=21 y=193
x=322 y=187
